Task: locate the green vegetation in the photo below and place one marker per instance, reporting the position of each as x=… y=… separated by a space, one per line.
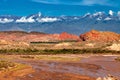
x=44 y=42
x=6 y=65
x=56 y=58
x=47 y=57
x=53 y=42
x=56 y=51
x=19 y=67
x=11 y=66
x=117 y=59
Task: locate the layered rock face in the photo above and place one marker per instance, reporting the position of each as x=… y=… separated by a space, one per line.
x=95 y=35
x=67 y=36
x=114 y=46
x=35 y=36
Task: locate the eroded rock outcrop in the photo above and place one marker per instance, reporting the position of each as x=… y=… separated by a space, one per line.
x=114 y=46
x=109 y=77
x=95 y=35
x=67 y=36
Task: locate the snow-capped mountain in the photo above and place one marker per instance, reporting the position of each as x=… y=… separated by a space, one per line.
x=5 y=20
x=25 y=20
x=56 y=24
x=111 y=13
x=39 y=18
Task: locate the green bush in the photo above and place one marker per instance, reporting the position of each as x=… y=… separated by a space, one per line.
x=30 y=51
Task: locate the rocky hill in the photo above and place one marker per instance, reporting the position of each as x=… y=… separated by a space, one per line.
x=35 y=36
x=92 y=35
x=102 y=36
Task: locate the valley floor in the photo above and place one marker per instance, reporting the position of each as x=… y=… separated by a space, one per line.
x=66 y=66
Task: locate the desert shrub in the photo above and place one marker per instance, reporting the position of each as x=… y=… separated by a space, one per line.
x=78 y=51
x=54 y=42
x=44 y=42
x=30 y=51
x=6 y=64
x=27 y=56
x=117 y=59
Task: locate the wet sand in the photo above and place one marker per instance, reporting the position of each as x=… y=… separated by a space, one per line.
x=88 y=68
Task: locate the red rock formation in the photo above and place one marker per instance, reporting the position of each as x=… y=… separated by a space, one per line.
x=95 y=35
x=33 y=36
x=66 y=36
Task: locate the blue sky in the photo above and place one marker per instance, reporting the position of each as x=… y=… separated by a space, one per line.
x=56 y=7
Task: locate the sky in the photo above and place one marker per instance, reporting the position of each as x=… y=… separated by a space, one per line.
x=57 y=7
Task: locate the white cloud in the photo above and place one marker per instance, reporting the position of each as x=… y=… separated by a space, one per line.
x=92 y=2
x=79 y=2
x=63 y=2
x=47 y=1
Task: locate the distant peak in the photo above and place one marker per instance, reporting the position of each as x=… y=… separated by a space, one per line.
x=111 y=13
x=98 y=14
x=87 y=14
x=118 y=13
x=39 y=14
x=39 y=18
x=64 y=33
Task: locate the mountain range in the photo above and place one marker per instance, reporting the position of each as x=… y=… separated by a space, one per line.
x=57 y=24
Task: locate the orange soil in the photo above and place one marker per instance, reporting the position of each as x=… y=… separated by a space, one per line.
x=47 y=75
x=11 y=75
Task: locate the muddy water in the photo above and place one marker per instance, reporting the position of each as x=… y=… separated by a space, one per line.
x=93 y=66
x=108 y=64
x=47 y=70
